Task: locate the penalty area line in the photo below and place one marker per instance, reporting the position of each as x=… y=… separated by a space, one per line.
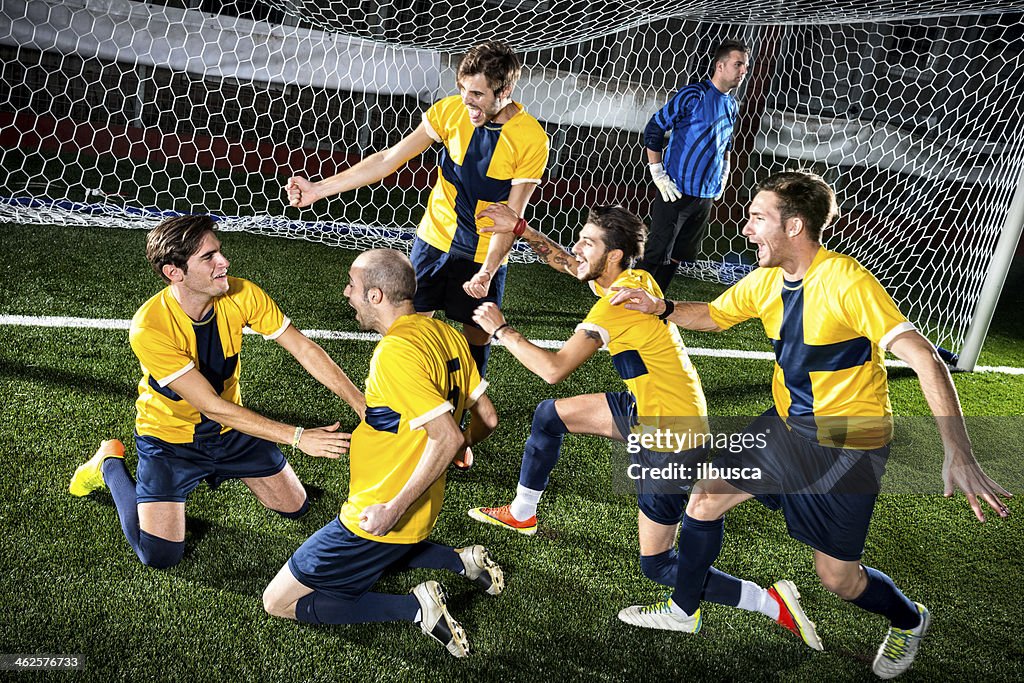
x=116 y=324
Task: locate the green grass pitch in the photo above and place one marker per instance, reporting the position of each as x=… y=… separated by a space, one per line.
x=70 y=584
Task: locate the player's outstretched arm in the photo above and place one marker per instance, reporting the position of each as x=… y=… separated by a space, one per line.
x=500 y=244
x=692 y=315
x=301 y=192
x=960 y=469
x=443 y=440
x=505 y=220
x=550 y=366
x=321 y=366
x=323 y=442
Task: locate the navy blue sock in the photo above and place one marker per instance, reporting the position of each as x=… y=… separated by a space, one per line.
x=319 y=608
x=480 y=355
x=543 y=447
x=432 y=556
x=881 y=596
x=152 y=551
x=122 y=489
x=719 y=587
x=298 y=513
x=159 y=553
x=700 y=543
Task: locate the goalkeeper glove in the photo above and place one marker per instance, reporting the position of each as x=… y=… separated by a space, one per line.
x=665 y=185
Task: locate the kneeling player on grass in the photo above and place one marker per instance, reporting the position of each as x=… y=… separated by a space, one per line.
x=190 y=424
x=420 y=374
x=664 y=393
x=830 y=322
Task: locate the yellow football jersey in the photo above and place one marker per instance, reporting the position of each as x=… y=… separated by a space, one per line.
x=829 y=331
x=477 y=167
x=420 y=370
x=168 y=344
x=651 y=359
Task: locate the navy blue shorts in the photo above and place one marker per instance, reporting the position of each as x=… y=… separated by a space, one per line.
x=337 y=562
x=439 y=279
x=168 y=472
x=827 y=495
x=663 y=501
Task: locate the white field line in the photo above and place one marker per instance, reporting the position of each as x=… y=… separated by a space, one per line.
x=111 y=324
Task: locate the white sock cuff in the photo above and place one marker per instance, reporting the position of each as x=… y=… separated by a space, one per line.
x=524 y=505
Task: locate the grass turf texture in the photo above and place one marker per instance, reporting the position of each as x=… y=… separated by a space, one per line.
x=70 y=584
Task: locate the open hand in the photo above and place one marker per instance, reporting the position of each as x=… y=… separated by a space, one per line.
x=975 y=484
x=324 y=442
x=489 y=317
x=637 y=300
x=504 y=218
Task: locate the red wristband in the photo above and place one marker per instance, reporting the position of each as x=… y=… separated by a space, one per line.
x=519 y=228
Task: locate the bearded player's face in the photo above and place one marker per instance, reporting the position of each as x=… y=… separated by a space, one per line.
x=482 y=103
x=591 y=252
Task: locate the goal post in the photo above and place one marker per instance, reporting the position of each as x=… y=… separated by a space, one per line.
x=115 y=112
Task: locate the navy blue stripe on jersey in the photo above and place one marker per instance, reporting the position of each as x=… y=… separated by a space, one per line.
x=798 y=359
x=163 y=391
x=383 y=419
x=212 y=365
x=629 y=364
x=454 y=365
x=678 y=109
x=702 y=165
x=472 y=185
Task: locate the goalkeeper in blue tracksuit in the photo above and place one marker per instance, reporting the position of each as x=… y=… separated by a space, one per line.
x=690 y=172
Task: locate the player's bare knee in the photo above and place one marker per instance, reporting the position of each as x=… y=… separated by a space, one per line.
x=703 y=506
x=273 y=604
x=294 y=510
x=845 y=584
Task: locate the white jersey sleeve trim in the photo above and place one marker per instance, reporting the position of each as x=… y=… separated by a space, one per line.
x=418 y=422
x=524 y=181
x=895 y=332
x=173 y=376
x=605 y=337
x=430 y=129
x=274 y=335
x=477 y=393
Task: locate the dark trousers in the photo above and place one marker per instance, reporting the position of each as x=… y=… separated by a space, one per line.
x=677 y=229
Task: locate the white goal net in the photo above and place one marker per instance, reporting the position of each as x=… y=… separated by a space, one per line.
x=115 y=113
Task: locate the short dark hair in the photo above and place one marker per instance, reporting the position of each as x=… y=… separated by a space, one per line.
x=805 y=195
x=727 y=46
x=495 y=60
x=620 y=229
x=175 y=240
x=391 y=272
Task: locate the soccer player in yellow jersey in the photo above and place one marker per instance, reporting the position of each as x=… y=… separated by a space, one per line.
x=190 y=423
x=663 y=395
x=420 y=374
x=830 y=322
x=493 y=151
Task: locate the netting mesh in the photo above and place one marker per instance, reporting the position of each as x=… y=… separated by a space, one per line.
x=115 y=112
